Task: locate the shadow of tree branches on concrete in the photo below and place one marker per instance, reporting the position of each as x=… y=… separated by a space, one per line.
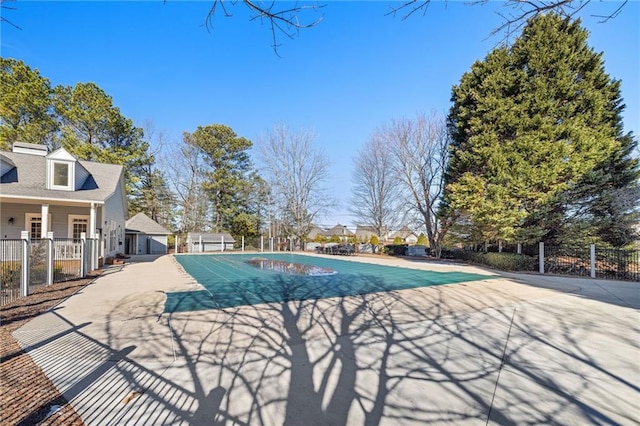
x=465 y=354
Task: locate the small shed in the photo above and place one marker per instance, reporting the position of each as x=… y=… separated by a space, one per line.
x=199 y=242
x=144 y=235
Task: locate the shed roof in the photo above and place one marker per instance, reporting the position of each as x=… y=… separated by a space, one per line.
x=143 y=224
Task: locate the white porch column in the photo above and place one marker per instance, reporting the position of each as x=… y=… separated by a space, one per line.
x=45 y=220
x=92 y=221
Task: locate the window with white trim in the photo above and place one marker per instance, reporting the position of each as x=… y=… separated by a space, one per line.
x=33 y=224
x=61 y=175
x=77 y=225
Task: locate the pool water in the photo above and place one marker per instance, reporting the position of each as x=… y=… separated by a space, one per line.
x=230 y=280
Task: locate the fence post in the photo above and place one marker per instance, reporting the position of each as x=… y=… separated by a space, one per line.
x=261 y=243
x=519 y=248
x=243 y=243
x=200 y=243
x=50 y=258
x=24 y=271
x=221 y=242
x=593 y=260
x=83 y=254
x=541 y=250
x=95 y=243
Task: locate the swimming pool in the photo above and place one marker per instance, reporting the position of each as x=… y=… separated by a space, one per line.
x=230 y=280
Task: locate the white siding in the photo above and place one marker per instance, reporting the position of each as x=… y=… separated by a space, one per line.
x=113 y=221
x=152 y=244
x=59 y=223
x=5 y=167
x=81 y=175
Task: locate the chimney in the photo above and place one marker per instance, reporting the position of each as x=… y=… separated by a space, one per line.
x=29 y=148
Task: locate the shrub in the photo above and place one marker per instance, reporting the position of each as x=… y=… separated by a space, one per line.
x=396 y=249
x=502 y=261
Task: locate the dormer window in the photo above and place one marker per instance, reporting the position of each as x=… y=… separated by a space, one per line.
x=61 y=171
x=61 y=174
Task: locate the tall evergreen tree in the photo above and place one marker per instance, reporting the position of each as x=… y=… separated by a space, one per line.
x=26 y=110
x=227 y=177
x=92 y=128
x=528 y=124
x=153 y=197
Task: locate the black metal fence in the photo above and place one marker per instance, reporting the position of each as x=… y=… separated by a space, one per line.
x=567 y=261
x=608 y=263
x=618 y=264
x=10 y=270
x=67 y=264
x=67 y=258
x=38 y=258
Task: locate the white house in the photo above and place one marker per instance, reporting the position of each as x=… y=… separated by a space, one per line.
x=44 y=192
x=406 y=235
x=365 y=232
x=341 y=231
x=145 y=236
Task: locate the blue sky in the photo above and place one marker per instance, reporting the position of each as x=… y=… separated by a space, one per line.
x=353 y=72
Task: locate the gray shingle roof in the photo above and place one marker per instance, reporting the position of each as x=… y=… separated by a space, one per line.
x=143 y=224
x=31 y=180
x=340 y=230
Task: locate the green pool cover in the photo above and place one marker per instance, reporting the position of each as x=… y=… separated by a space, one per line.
x=231 y=281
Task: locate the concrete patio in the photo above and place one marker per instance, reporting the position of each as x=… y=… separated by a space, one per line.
x=513 y=349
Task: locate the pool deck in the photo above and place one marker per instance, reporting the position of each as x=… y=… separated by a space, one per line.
x=512 y=349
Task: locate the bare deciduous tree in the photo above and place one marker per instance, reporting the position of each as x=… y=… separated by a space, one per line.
x=519 y=12
x=184 y=166
x=289 y=18
x=420 y=148
x=295 y=171
x=375 y=193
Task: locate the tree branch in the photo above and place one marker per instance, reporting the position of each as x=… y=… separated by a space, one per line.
x=287 y=21
x=3 y=6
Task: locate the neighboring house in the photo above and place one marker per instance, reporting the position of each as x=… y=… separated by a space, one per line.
x=406 y=235
x=200 y=242
x=44 y=192
x=315 y=231
x=145 y=236
x=341 y=231
x=365 y=232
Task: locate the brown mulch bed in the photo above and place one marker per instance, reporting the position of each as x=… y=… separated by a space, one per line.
x=26 y=394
